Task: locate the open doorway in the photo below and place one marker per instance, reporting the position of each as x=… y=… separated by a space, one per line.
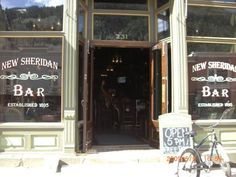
x=121 y=95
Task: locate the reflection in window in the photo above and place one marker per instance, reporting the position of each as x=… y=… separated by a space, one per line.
x=121 y=4
x=81 y=80
x=163 y=24
x=121 y=27
x=161 y=2
x=209 y=21
x=212 y=81
x=30 y=79
x=81 y=22
x=31 y=15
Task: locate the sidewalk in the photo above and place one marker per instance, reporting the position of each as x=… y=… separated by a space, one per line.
x=110 y=170
x=126 y=163
x=129 y=163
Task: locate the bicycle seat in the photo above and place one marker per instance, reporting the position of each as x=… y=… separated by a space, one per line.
x=190 y=133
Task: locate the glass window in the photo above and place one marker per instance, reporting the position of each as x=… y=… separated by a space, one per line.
x=163 y=24
x=31 y=15
x=81 y=80
x=212 y=80
x=81 y=22
x=215 y=0
x=211 y=21
x=134 y=28
x=121 y=4
x=161 y=2
x=30 y=79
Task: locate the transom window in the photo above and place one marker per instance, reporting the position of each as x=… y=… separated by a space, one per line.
x=121 y=4
x=31 y=15
x=121 y=27
x=211 y=21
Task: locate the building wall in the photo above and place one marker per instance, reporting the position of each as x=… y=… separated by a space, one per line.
x=63 y=135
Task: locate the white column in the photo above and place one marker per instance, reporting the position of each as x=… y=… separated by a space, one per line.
x=70 y=75
x=179 y=57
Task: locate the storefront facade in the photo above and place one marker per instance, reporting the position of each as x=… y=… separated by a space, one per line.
x=49 y=54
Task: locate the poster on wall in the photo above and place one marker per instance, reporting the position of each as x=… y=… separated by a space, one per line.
x=30 y=76
x=212 y=86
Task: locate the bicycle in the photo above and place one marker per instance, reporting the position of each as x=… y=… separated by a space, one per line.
x=191 y=161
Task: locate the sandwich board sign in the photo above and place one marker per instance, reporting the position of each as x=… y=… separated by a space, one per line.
x=172 y=129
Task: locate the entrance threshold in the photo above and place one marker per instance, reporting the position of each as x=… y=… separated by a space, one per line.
x=117 y=139
x=111 y=148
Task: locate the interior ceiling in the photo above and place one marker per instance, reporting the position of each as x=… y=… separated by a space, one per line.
x=120 y=58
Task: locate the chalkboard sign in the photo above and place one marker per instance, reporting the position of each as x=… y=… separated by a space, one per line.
x=172 y=127
x=174 y=139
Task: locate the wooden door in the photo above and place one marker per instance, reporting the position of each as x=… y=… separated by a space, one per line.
x=87 y=97
x=159 y=85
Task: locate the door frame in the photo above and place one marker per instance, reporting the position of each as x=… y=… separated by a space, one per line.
x=87 y=97
x=88 y=67
x=158 y=85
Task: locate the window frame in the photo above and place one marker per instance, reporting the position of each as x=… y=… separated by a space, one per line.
x=211 y=40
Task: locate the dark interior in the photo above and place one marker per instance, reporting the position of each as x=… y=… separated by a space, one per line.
x=121 y=95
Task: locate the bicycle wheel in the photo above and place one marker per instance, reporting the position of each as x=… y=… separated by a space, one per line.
x=188 y=164
x=223 y=159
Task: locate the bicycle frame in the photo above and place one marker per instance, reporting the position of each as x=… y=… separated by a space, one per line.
x=191 y=159
x=213 y=148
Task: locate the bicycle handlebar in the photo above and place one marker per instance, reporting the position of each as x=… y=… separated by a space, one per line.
x=221 y=117
x=190 y=134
